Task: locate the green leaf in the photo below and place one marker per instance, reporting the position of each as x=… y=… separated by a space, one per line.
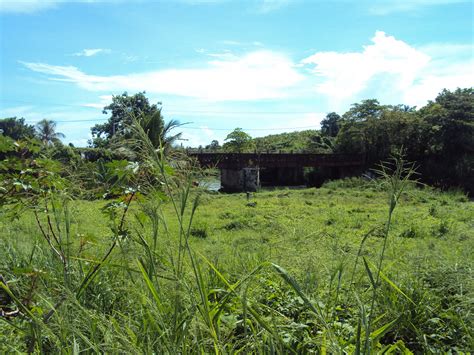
x=378 y=333
x=394 y=286
x=372 y=281
x=149 y=284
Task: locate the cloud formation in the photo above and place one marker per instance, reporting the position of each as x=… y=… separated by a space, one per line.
x=386 y=7
x=89 y=52
x=105 y=100
x=388 y=67
x=272 y=5
x=254 y=76
x=346 y=74
x=25 y=6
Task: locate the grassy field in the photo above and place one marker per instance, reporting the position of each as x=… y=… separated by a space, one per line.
x=283 y=271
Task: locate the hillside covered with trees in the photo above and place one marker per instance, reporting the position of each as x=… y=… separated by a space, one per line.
x=438 y=137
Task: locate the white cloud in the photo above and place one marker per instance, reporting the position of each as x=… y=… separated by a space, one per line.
x=241 y=44
x=25 y=6
x=194 y=138
x=91 y=52
x=272 y=5
x=81 y=142
x=207 y=131
x=433 y=81
x=104 y=101
x=224 y=55
x=32 y=6
x=386 y=7
x=254 y=76
x=17 y=111
x=346 y=74
x=297 y=122
x=229 y=42
x=389 y=69
x=449 y=51
x=310 y=120
x=201 y=2
x=129 y=58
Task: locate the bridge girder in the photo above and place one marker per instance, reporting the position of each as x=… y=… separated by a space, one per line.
x=276 y=160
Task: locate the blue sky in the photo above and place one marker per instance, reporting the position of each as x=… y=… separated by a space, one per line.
x=267 y=66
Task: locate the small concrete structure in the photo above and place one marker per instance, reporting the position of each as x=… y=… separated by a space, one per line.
x=246 y=179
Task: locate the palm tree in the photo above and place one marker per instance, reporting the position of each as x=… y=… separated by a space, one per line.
x=46 y=132
x=158 y=131
x=166 y=137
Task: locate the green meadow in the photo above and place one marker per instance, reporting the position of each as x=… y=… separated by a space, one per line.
x=282 y=271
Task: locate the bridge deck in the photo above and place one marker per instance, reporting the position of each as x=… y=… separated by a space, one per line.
x=276 y=160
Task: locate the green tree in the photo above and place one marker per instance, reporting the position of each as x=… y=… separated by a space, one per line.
x=16 y=128
x=364 y=110
x=237 y=141
x=122 y=109
x=351 y=139
x=46 y=132
x=331 y=124
x=450 y=123
x=377 y=136
x=214 y=146
x=451 y=116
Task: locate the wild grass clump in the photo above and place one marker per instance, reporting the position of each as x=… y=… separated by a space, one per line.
x=411 y=232
x=236 y=225
x=443 y=228
x=200 y=230
x=348 y=182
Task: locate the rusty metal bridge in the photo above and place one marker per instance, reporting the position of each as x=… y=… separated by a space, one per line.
x=276 y=160
x=249 y=171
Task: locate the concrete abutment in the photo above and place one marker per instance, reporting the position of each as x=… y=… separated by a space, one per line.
x=237 y=180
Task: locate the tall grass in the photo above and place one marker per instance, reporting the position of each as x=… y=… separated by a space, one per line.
x=149 y=291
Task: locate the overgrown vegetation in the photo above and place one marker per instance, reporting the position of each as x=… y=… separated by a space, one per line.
x=439 y=137
x=355 y=267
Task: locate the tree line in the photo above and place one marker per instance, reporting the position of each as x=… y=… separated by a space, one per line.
x=439 y=137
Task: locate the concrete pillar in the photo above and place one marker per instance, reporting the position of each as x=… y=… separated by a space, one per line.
x=251 y=179
x=231 y=180
x=238 y=180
